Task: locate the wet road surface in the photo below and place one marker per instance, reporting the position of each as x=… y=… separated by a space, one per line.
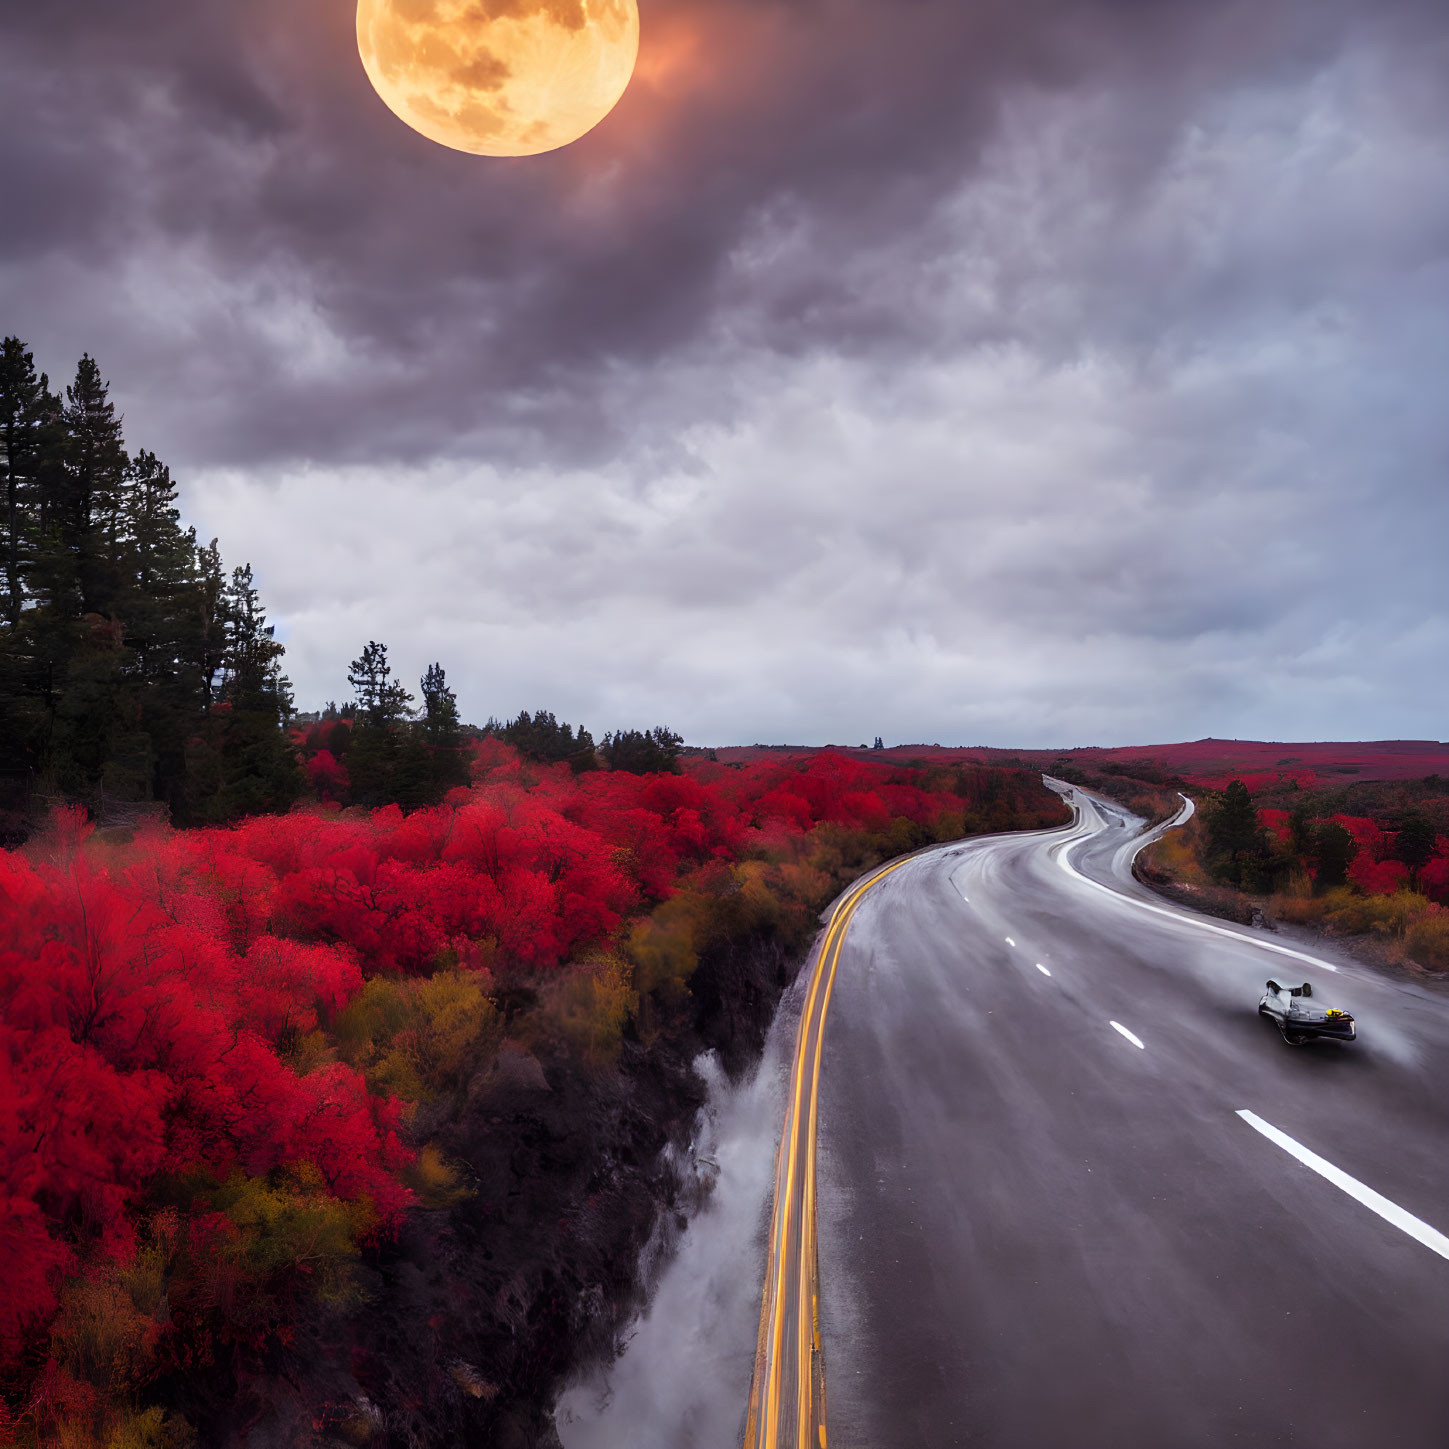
x=1043 y=1219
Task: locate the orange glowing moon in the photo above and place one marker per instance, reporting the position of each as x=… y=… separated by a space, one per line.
x=499 y=77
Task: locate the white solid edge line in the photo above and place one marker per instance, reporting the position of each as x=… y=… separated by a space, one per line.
x=1063 y=859
x=1135 y=1040
x=1390 y=1212
x=1042 y=969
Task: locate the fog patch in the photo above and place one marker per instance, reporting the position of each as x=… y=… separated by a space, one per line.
x=682 y=1377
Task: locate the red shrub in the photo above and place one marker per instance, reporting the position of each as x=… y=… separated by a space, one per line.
x=1276 y=823
x=1434 y=877
x=158 y=1001
x=135 y=1040
x=328 y=776
x=1378 y=877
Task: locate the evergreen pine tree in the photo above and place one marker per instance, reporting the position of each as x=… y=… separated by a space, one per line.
x=541 y=737
x=443 y=732
x=1237 y=847
x=27 y=423
x=253 y=677
x=375 y=751
x=1234 y=822
x=255 y=764
x=210 y=621
x=410 y=780
x=162 y=614
x=94 y=484
x=1333 y=852
x=88 y=731
x=641 y=752
x=381 y=699
x=163 y=554
x=440 y=708
x=118 y=635
x=1416 y=841
x=28 y=436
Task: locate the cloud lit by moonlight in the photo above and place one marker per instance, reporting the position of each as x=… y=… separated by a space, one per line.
x=499 y=77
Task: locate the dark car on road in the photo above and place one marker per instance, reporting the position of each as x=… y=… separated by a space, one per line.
x=1301 y=1019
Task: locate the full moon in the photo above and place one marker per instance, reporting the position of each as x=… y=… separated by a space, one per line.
x=499 y=77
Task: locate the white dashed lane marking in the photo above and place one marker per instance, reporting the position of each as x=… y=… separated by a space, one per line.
x=1042 y=969
x=1135 y=1040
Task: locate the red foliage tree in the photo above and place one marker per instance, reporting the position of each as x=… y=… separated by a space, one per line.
x=156 y=1000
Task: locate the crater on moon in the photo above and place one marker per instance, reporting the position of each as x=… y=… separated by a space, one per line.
x=499 y=77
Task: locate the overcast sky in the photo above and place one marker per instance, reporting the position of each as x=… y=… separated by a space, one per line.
x=1035 y=372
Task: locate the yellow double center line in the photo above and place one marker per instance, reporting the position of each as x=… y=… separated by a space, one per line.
x=762 y=1425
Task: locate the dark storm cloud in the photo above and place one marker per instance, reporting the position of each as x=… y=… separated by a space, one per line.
x=464 y=295
x=1026 y=369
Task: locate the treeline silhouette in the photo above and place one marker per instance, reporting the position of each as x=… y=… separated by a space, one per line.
x=136 y=672
x=133 y=666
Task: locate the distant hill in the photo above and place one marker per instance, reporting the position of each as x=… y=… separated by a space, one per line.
x=1208 y=763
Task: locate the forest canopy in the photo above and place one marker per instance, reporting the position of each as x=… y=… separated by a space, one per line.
x=133 y=666
x=140 y=676
x=229 y=1055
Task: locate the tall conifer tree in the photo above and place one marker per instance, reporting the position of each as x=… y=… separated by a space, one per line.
x=27 y=421
x=443 y=732
x=95 y=472
x=254 y=767
x=118 y=634
x=381 y=762
x=380 y=698
x=210 y=620
x=161 y=610
x=27 y=418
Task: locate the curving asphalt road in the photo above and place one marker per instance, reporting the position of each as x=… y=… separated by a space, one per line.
x=1043 y=1219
